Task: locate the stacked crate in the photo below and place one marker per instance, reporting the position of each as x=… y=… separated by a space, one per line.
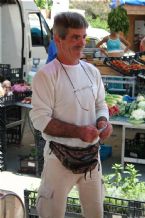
x=9 y=113
x=113 y=207
x=2 y=142
x=135 y=147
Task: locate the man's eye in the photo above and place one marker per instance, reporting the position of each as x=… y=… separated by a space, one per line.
x=76 y=37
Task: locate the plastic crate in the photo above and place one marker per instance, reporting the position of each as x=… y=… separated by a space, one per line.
x=73 y=208
x=39 y=143
x=13 y=135
x=140 y=83
x=7 y=100
x=15 y=97
x=30 y=203
x=16 y=75
x=2 y=146
x=112 y=206
x=105 y=152
x=27 y=165
x=123 y=208
x=9 y=114
x=135 y=147
x=4 y=72
x=19 y=96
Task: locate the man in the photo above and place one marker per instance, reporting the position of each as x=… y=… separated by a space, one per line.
x=69 y=109
x=52 y=50
x=142 y=45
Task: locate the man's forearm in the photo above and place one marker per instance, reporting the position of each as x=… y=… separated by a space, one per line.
x=59 y=128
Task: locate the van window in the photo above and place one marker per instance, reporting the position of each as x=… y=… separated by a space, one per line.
x=40 y=32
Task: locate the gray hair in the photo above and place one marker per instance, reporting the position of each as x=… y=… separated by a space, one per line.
x=65 y=20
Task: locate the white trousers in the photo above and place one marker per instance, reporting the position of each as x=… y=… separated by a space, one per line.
x=56 y=184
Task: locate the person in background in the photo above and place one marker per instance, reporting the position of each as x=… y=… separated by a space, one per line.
x=114 y=47
x=142 y=45
x=6 y=85
x=52 y=49
x=69 y=108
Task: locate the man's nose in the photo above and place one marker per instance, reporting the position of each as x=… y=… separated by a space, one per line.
x=82 y=42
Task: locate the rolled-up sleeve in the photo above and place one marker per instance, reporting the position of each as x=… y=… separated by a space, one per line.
x=101 y=106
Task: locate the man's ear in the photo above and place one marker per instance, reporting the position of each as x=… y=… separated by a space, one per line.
x=57 y=39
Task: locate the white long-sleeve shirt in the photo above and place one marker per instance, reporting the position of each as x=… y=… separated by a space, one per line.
x=63 y=92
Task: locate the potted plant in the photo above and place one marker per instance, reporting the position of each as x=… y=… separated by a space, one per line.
x=126 y=194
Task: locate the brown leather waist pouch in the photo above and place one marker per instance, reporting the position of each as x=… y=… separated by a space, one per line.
x=78 y=160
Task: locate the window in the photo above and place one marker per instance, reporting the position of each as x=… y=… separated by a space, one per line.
x=40 y=31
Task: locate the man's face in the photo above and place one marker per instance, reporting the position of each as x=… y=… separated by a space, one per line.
x=71 y=47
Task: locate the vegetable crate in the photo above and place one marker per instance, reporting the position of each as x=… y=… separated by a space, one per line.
x=112 y=206
x=135 y=147
x=140 y=83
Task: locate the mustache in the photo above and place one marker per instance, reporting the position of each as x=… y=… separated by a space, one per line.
x=79 y=47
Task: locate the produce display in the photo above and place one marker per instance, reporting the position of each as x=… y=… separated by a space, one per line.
x=125 y=66
x=126 y=106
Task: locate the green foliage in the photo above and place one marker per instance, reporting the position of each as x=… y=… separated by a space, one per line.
x=44 y=4
x=125 y=184
x=97 y=23
x=96 y=12
x=33 y=153
x=118 y=20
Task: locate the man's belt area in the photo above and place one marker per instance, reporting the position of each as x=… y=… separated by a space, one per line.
x=78 y=160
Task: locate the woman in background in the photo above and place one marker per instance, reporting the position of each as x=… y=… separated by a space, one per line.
x=114 y=49
x=114 y=45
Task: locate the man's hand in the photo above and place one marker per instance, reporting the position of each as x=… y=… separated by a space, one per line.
x=107 y=130
x=88 y=133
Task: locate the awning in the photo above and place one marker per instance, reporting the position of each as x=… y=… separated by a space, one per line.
x=115 y=3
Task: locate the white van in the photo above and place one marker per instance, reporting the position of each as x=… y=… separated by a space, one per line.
x=24 y=35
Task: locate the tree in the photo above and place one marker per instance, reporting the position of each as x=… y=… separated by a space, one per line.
x=96 y=12
x=44 y=4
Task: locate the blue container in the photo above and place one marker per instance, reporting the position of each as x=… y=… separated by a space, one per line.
x=105 y=152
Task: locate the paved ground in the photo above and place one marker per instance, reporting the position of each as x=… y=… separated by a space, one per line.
x=11 y=180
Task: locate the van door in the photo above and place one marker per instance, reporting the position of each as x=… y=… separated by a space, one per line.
x=40 y=38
